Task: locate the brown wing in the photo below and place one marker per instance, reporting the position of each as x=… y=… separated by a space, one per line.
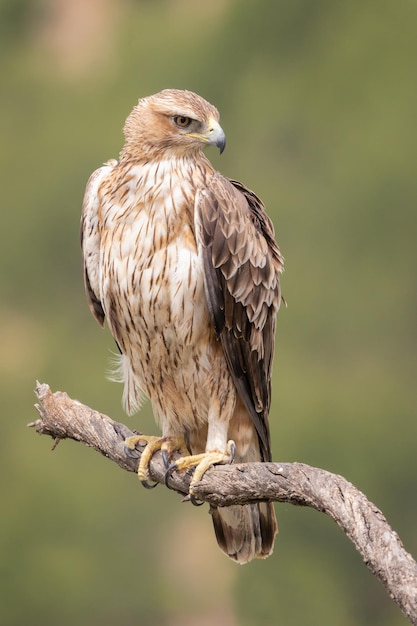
x=241 y=265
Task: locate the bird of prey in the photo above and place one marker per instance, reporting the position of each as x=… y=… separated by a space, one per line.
x=182 y=264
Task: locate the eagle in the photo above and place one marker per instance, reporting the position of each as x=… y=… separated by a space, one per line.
x=182 y=264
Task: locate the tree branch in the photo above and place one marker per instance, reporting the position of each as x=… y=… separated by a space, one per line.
x=223 y=485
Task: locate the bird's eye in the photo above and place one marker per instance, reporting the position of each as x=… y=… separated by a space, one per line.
x=182 y=121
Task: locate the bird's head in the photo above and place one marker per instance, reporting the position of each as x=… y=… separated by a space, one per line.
x=173 y=121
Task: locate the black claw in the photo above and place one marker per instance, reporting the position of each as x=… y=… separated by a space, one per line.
x=194 y=500
x=165 y=458
x=132 y=453
x=170 y=468
x=232 y=452
x=148 y=485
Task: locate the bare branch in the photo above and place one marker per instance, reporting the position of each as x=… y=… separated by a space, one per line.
x=296 y=483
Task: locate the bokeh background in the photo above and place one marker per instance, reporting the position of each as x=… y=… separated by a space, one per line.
x=318 y=100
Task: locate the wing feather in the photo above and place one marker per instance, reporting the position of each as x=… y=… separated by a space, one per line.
x=242 y=264
x=90 y=239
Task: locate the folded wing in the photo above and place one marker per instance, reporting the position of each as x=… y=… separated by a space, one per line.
x=242 y=264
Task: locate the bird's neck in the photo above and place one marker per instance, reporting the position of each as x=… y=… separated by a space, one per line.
x=170 y=168
x=148 y=152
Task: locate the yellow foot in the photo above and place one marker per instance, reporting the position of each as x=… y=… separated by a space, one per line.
x=202 y=462
x=167 y=445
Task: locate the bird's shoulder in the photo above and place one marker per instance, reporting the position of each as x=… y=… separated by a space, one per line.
x=234 y=226
x=96 y=180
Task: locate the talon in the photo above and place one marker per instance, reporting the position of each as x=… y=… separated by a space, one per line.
x=133 y=453
x=194 y=500
x=148 y=485
x=165 y=458
x=231 y=446
x=170 y=468
x=132 y=442
x=201 y=462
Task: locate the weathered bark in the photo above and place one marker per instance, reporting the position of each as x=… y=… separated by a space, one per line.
x=296 y=483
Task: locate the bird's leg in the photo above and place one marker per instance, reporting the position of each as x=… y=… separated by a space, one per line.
x=202 y=462
x=167 y=445
x=219 y=450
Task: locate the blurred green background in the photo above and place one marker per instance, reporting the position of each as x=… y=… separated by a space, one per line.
x=318 y=100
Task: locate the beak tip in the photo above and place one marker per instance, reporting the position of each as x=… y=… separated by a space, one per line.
x=221 y=143
x=222 y=147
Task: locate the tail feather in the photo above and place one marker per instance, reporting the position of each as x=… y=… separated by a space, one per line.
x=245 y=532
x=121 y=372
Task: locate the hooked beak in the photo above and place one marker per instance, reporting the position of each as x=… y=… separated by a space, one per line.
x=216 y=136
x=213 y=137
